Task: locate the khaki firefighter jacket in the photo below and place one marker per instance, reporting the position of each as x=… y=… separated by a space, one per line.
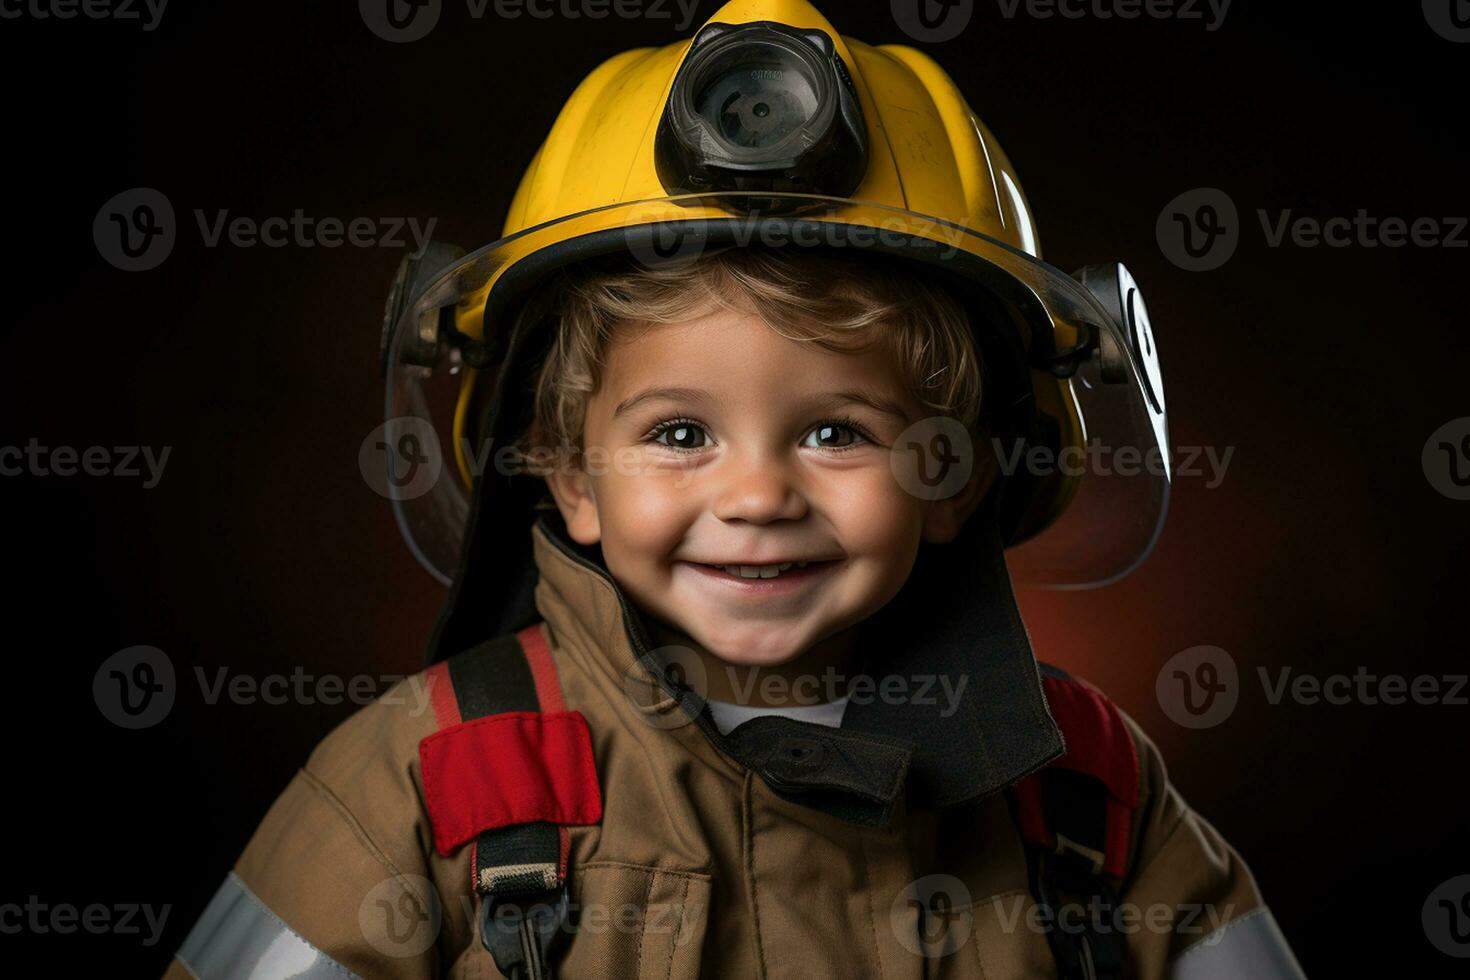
x=719 y=856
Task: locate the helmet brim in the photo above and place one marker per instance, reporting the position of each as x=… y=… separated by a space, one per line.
x=1066 y=522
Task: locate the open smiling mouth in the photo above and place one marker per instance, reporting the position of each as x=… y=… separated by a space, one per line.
x=784 y=573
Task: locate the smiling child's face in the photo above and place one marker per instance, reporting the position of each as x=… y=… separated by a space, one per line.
x=745 y=496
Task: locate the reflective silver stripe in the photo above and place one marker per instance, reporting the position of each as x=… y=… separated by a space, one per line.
x=238 y=938
x=1250 y=946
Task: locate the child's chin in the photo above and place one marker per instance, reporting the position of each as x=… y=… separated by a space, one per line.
x=755 y=647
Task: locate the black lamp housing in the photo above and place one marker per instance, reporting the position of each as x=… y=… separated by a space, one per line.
x=762 y=107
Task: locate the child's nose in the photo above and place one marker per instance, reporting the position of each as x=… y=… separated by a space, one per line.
x=759 y=492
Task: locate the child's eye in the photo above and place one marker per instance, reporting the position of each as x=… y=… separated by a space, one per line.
x=682 y=434
x=833 y=435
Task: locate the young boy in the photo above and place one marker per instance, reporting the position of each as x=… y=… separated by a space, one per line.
x=731 y=681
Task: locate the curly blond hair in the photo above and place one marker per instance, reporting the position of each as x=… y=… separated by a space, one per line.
x=840 y=303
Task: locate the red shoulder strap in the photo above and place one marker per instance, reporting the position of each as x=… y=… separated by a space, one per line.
x=1091 y=815
x=510 y=767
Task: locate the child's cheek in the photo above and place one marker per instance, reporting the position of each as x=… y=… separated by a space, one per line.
x=644 y=516
x=875 y=518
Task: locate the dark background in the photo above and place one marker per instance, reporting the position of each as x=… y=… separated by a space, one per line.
x=263 y=550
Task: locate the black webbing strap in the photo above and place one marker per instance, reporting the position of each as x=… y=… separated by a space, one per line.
x=516 y=869
x=1063 y=815
x=1076 y=899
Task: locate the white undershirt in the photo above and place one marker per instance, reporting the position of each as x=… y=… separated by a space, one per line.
x=728 y=716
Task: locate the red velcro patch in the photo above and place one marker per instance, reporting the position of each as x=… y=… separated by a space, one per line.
x=507 y=769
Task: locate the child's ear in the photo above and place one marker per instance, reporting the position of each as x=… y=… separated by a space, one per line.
x=572 y=490
x=944 y=518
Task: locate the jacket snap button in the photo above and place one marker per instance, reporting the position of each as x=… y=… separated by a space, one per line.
x=805 y=753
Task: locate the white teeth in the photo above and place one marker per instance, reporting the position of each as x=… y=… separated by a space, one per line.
x=760 y=571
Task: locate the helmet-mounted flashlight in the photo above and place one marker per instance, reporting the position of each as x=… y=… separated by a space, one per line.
x=762 y=107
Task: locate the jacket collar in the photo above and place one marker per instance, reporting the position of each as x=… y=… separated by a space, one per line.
x=953 y=709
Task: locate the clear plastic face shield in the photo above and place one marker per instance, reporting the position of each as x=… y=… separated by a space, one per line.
x=413 y=463
x=1101 y=486
x=1122 y=464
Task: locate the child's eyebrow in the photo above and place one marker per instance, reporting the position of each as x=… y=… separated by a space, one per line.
x=882 y=406
x=827 y=400
x=648 y=394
